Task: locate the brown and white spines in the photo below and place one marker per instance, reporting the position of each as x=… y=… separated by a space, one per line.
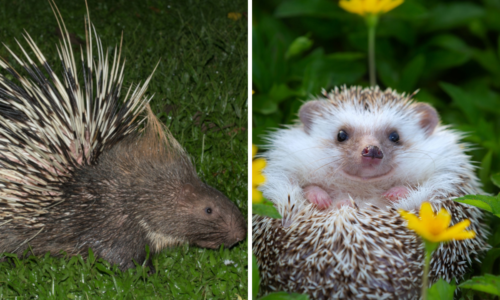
x=50 y=124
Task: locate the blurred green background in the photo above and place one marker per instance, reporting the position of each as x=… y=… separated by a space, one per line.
x=449 y=50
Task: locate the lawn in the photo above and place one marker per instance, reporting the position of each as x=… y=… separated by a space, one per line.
x=200 y=92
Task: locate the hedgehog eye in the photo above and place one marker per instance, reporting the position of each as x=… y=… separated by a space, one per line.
x=208 y=210
x=342 y=136
x=394 y=137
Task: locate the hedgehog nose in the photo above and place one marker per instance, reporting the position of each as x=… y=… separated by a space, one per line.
x=373 y=152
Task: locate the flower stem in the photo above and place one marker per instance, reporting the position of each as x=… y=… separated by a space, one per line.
x=371 y=22
x=429 y=249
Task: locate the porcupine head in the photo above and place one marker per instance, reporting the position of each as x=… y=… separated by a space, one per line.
x=367 y=147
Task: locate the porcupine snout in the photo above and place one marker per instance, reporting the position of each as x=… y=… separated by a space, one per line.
x=239 y=227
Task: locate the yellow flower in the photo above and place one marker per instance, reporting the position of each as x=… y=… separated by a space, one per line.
x=235 y=16
x=364 y=7
x=257 y=177
x=434 y=227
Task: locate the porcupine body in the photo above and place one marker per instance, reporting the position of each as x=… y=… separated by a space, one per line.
x=365 y=250
x=76 y=172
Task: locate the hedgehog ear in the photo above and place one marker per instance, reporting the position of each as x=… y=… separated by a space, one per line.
x=308 y=112
x=429 y=117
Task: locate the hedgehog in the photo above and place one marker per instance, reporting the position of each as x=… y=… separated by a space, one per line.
x=84 y=167
x=338 y=178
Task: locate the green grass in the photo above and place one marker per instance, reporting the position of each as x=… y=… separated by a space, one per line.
x=200 y=90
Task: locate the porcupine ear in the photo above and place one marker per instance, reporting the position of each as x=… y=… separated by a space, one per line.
x=308 y=112
x=158 y=140
x=429 y=118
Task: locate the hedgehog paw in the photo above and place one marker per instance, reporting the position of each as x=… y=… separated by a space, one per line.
x=317 y=196
x=396 y=193
x=346 y=202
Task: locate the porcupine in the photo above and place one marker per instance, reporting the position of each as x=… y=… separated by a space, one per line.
x=362 y=249
x=78 y=172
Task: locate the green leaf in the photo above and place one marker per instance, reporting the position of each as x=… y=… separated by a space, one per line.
x=285 y=296
x=488 y=283
x=495 y=178
x=484 y=171
x=411 y=73
x=103 y=269
x=280 y=92
x=147 y=255
x=255 y=277
x=346 y=56
x=452 y=43
x=90 y=258
x=317 y=71
x=463 y=100
x=264 y=104
x=298 y=46
x=387 y=73
x=265 y=210
x=409 y=10
x=487 y=59
x=489 y=259
x=488 y=203
x=441 y=290
x=212 y=258
x=452 y=15
x=318 y=8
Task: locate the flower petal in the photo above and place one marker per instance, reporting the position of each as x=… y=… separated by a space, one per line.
x=256 y=196
x=371 y=6
x=363 y=7
x=258 y=164
x=413 y=221
x=390 y=5
x=426 y=214
x=468 y=234
x=434 y=228
x=455 y=230
x=353 y=6
x=443 y=220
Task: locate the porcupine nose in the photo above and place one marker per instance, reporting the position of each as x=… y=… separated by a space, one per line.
x=239 y=227
x=370 y=153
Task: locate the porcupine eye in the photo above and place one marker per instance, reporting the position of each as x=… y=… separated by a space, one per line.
x=342 y=136
x=208 y=210
x=394 y=137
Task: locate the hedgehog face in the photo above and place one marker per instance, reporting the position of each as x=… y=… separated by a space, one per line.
x=368 y=155
x=366 y=140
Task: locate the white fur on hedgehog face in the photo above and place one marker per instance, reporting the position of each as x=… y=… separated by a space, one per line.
x=411 y=159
